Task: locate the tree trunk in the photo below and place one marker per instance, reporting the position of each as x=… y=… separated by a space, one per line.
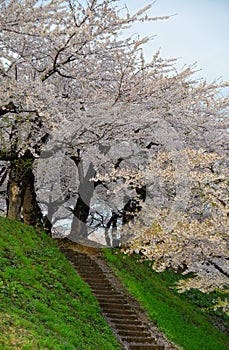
x=14 y=193
x=82 y=208
x=21 y=202
x=132 y=206
x=30 y=209
x=112 y=222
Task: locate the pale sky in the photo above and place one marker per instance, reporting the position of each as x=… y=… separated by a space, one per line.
x=198 y=33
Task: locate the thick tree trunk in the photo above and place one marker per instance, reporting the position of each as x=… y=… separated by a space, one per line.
x=30 y=209
x=79 y=227
x=14 y=193
x=82 y=208
x=21 y=202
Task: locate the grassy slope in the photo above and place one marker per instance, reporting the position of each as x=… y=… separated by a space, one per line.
x=44 y=304
x=180 y=316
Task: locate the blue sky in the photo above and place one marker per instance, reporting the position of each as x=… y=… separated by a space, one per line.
x=199 y=32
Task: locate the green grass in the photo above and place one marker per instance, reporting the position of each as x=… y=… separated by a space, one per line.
x=44 y=304
x=182 y=317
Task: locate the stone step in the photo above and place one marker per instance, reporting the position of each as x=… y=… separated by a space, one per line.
x=93 y=280
x=114 y=307
x=109 y=296
x=98 y=290
x=146 y=347
x=128 y=314
x=84 y=267
x=105 y=296
x=122 y=316
x=96 y=285
x=94 y=276
x=117 y=309
x=91 y=270
x=133 y=333
x=99 y=281
x=111 y=300
x=77 y=257
x=131 y=327
x=84 y=263
x=139 y=339
x=107 y=291
x=83 y=256
x=89 y=267
x=126 y=322
x=91 y=276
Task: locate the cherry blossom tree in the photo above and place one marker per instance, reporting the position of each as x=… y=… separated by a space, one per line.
x=112 y=140
x=194 y=239
x=57 y=57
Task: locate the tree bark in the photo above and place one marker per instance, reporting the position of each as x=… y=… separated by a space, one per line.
x=132 y=206
x=112 y=223
x=82 y=208
x=21 y=202
x=31 y=211
x=14 y=193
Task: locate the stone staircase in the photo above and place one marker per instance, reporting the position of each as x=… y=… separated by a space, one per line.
x=130 y=327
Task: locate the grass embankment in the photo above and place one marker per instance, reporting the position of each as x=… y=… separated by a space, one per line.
x=44 y=304
x=182 y=317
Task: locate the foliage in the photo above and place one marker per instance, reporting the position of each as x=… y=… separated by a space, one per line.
x=44 y=303
x=187 y=319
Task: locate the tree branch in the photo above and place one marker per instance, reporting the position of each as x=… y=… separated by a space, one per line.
x=8 y=108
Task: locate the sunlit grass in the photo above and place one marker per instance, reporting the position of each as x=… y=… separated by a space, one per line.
x=44 y=304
